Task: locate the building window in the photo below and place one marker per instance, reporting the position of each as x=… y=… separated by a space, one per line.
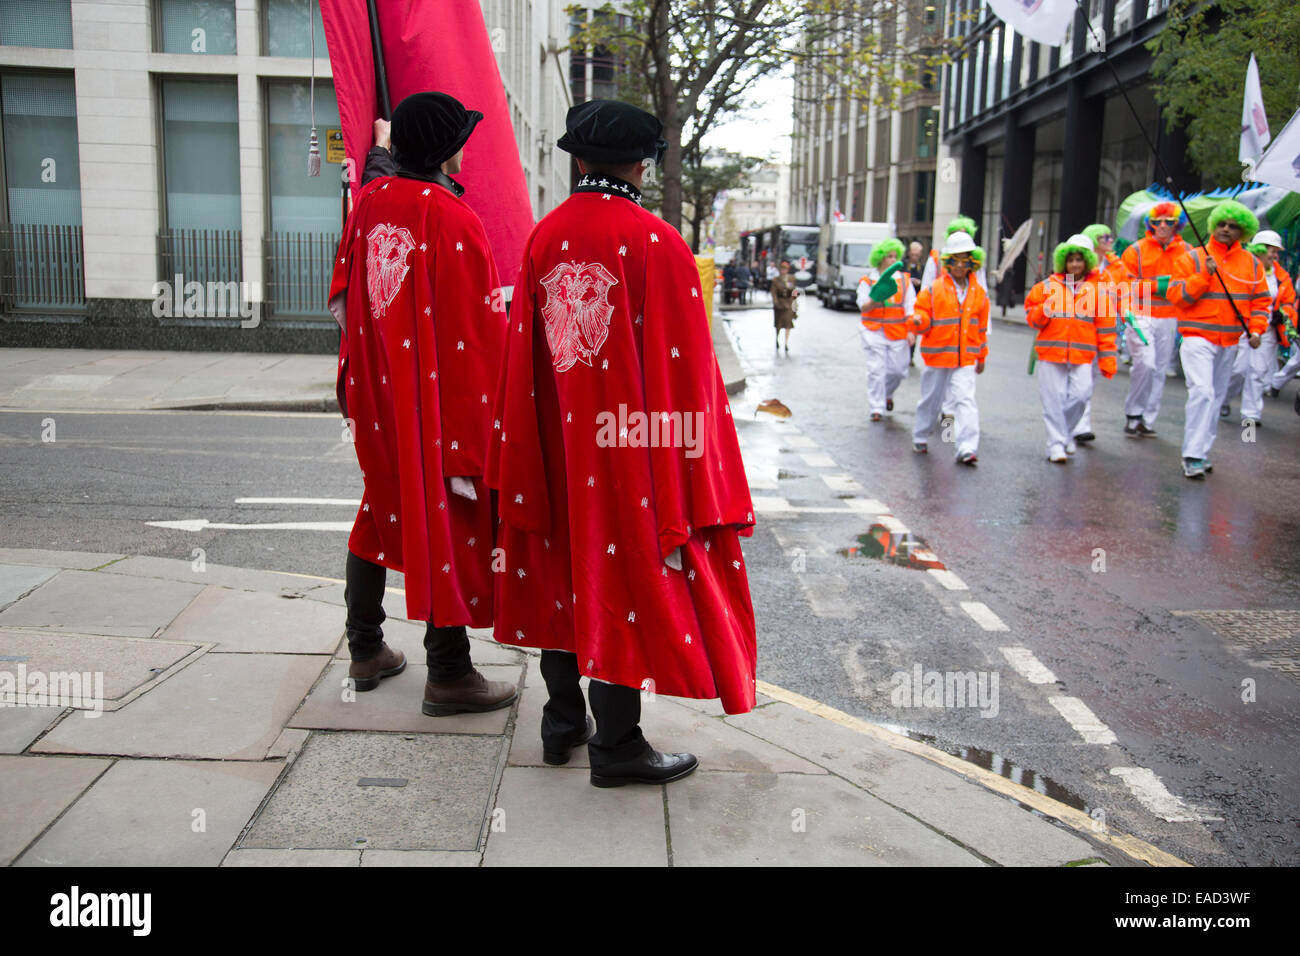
x=46 y=23
x=927 y=132
x=201 y=236
x=40 y=238
x=285 y=28
x=196 y=26
x=924 y=205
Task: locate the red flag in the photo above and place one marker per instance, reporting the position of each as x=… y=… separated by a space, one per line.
x=435 y=46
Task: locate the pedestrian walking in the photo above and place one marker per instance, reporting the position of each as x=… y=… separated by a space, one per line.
x=1253 y=369
x=1114 y=279
x=621 y=489
x=1210 y=324
x=884 y=334
x=1150 y=257
x=952 y=319
x=1073 y=310
x=416 y=290
x=784 y=291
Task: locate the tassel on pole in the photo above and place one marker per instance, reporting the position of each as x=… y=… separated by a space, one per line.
x=313 y=155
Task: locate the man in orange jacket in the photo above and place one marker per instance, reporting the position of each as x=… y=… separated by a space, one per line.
x=1253 y=367
x=1113 y=272
x=1210 y=320
x=1073 y=310
x=1151 y=256
x=884 y=330
x=952 y=316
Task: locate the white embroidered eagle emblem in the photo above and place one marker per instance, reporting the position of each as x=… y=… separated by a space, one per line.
x=577 y=312
x=387 y=249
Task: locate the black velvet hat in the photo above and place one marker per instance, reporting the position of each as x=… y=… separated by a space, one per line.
x=607 y=131
x=429 y=129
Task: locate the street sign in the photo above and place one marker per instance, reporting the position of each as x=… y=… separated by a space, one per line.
x=334 y=146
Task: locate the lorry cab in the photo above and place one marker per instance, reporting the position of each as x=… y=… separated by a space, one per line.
x=844 y=256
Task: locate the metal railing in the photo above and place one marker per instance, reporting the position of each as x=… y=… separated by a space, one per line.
x=201 y=255
x=298 y=270
x=41 y=268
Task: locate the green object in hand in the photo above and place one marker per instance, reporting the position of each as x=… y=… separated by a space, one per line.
x=1131 y=319
x=1162 y=285
x=885 y=286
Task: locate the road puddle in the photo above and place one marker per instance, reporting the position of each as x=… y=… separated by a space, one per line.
x=889 y=541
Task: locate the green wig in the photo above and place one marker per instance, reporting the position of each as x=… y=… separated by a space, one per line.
x=1257 y=249
x=1098 y=229
x=977 y=257
x=883 y=249
x=962 y=224
x=1233 y=211
x=1063 y=252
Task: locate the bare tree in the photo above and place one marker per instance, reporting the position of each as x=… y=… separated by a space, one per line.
x=694 y=63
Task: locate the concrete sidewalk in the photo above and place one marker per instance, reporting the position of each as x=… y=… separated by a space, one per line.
x=65 y=379
x=229 y=736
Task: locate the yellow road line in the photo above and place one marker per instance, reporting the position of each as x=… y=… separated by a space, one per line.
x=1075 y=819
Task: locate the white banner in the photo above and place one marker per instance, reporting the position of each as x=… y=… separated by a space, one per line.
x=1280 y=164
x=1044 y=21
x=1254 y=121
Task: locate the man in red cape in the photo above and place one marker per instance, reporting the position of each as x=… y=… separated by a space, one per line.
x=622 y=494
x=424 y=328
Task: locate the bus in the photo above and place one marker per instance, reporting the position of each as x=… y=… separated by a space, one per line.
x=795 y=242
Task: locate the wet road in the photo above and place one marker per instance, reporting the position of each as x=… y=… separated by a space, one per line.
x=1184 y=651
x=1164 y=747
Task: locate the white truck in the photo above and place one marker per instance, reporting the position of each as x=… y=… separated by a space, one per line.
x=843 y=255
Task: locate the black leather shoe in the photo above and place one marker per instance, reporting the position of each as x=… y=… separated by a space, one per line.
x=1086 y=436
x=650 y=767
x=558 y=758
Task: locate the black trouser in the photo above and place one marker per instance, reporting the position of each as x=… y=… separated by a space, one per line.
x=617 y=711
x=446 y=649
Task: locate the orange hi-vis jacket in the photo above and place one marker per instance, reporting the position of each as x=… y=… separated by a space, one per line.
x=955 y=331
x=888 y=316
x=1204 y=309
x=1075 y=322
x=1284 y=301
x=1145 y=260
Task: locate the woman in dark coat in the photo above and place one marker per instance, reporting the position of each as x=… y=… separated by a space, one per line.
x=784 y=290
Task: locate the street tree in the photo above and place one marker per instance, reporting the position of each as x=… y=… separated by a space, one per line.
x=695 y=63
x=1200 y=70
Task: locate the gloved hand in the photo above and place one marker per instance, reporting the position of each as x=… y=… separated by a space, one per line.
x=885 y=286
x=1107 y=366
x=1162 y=285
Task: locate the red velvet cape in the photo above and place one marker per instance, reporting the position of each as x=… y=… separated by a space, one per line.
x=608 y=356
x=418 y=367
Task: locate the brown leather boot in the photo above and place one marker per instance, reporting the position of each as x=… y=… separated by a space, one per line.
x=366 y=675
x=472 y=693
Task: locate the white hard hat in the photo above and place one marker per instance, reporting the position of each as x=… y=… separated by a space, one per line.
x=958 y=243
x=1267 y=237
x=1079 y=239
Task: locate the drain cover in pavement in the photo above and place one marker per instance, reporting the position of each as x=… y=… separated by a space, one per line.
x=1268 y=638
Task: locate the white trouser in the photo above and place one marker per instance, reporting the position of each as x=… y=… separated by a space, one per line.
x=1250 y=372
x=1289 y=370
x=949 y=399
x=1146 y=383
x=887 y=363
x=1065 y=390
x=959 y=385
x=1207 y=368
x=1085 y=419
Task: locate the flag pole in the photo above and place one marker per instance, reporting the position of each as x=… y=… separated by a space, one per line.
x=1164 y=170
x=381 y=73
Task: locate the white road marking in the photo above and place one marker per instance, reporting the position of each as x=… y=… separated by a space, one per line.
x=1083 y=720
x=981 y=615
x=892 y=524
x=868 y=506
x=761 y=480
x=948 y=579
x=1027 y=665
x=842 y=483
x=799 y=441
x=346 y=502
x=817 y=459
x=776 y=507
x=1155 y=796
x=203 y=524
x=828 y=595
